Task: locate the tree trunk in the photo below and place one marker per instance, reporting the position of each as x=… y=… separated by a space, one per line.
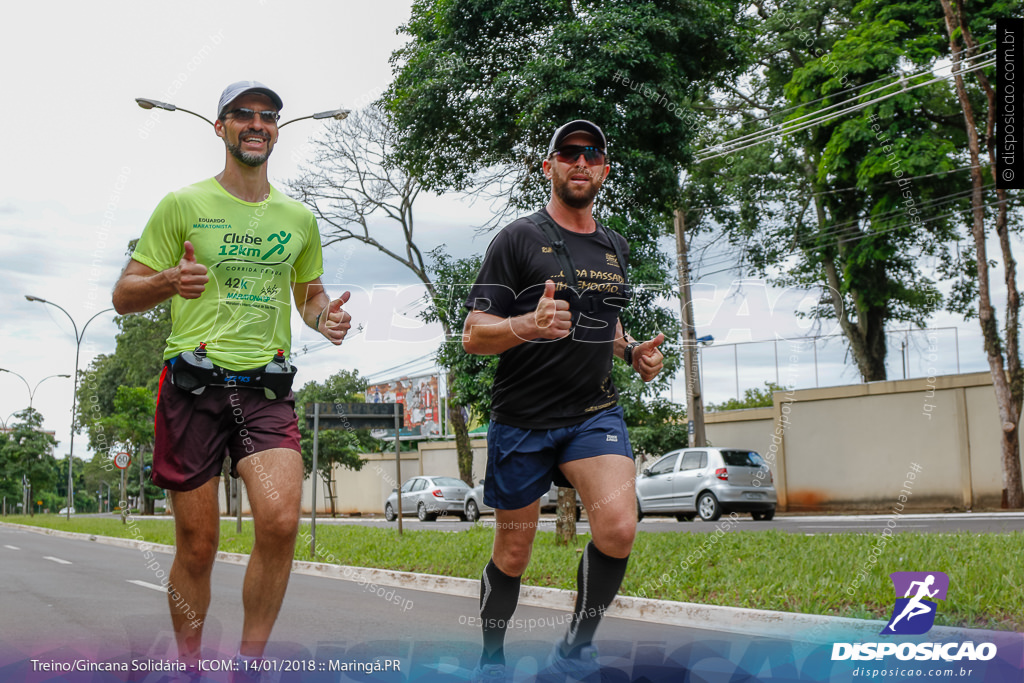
x=462 y=446
x=329 y=480
x=1009 y=412
x=565 y=525
x=866 y=335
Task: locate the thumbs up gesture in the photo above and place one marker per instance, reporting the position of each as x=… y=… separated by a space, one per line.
x=552 y=317
x=190 y=277
x=335 y=322
x=647 y=359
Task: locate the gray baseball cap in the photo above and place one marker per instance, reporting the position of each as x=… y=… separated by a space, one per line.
x=236 y=90
x=578 y=126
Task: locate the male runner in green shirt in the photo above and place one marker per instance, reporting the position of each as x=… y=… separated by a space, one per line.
x=229 y=251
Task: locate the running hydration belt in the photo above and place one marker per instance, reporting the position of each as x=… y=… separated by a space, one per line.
x=192 y=371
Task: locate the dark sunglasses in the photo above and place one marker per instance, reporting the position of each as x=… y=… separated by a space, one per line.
x=570 y=153
x=243 y=114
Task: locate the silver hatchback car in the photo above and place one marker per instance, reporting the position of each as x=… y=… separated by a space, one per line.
x=707 y=482
x=428 y=497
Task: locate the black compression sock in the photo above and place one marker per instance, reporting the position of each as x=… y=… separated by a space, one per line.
x=597 y=582
x=499 y=595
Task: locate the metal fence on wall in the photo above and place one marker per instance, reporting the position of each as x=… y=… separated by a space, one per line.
x=727 y=370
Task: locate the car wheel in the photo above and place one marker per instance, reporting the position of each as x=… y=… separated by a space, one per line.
x=639 y=511
x=423 y=515
x=472 y=511
x=687 y=517
x=389 y=513
x=768 y=515
x=708 y=507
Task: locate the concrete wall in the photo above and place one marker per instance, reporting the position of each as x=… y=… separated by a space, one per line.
x=365 y=491
x=919 y=444
x=910 y=444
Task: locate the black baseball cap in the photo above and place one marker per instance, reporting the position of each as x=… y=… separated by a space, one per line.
x=236 y=90
x=578 y=126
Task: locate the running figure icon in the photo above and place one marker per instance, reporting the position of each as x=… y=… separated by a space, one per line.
x=915 y=606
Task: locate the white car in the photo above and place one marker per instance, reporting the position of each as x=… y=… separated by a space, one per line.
x=64 y=511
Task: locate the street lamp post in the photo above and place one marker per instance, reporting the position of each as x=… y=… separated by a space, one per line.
x=74 y=395
x=148 y=103
x=31 y=391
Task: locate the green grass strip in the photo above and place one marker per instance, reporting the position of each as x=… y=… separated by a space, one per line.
x=844 y=575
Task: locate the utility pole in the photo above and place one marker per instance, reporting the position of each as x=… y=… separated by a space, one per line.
x=694 y=397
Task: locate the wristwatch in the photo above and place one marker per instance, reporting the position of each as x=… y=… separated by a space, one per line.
x=627 y=353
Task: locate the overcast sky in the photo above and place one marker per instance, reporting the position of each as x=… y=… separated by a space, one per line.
x=79 y=153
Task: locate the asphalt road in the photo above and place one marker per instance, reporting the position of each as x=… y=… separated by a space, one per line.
x=66 y=598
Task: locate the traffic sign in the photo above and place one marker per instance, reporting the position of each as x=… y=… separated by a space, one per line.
x=122 y=460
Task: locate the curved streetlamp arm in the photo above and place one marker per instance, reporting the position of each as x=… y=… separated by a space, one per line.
x=147 y=103
x=27 y=385
x=336 y=114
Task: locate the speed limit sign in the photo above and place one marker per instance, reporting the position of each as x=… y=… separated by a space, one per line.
x=122 y=460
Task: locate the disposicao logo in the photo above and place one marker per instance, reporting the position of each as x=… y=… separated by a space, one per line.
x=914 y=613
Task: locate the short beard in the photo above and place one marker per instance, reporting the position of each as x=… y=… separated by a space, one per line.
x=574 y=200
x=253 y=160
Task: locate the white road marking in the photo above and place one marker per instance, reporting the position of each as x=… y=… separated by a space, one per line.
x=12 y=547
x=854 y=526
x=146 y=584
x=56 y=559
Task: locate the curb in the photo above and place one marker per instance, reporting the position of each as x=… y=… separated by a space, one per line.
x=809 y=628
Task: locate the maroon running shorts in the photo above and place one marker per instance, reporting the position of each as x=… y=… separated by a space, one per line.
x=195 y=432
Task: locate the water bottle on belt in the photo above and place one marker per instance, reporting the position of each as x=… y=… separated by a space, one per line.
x=277 y=376
x=192 y=371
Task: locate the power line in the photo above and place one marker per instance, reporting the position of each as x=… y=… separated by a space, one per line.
x=837 y=228
x=787 y=128
x=861 y=236
x=783 y=130
x=403 y=367
x=878 y=80
x=791 y=123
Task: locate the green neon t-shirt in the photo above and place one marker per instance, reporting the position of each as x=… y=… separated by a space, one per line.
x=253 y=253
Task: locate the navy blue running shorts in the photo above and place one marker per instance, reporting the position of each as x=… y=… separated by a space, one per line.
x=522 y=463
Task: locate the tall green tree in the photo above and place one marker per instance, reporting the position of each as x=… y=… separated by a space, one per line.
x=28 y=451
x=482 y=84
x=131 y=426
x=335 y=446
x=858 y=169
